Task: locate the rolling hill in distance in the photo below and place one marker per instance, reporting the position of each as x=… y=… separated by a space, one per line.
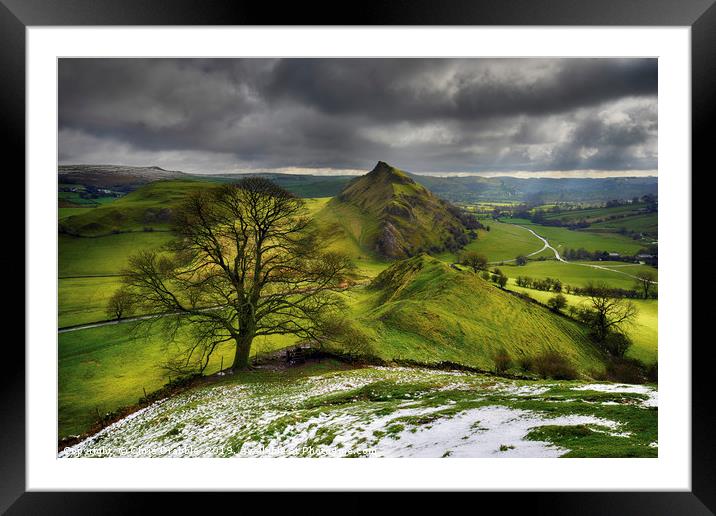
x=149 y=207
x=453 y=189
x=115 y=177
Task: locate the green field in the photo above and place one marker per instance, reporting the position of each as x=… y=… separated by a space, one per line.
x=647 y=224
x=63 y=213
x=106 y=255
x=502 y=242
x=75 y=198
x=563 y=238
x=89 y=272
x=147 y=207
x=83 y=300
x=88 y=268
x=577 y=274
x=103 y=369
x=593 y=214
x=630 y=217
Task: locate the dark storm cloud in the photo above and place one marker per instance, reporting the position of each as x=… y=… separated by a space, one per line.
x=423 y=114
x=390 y=88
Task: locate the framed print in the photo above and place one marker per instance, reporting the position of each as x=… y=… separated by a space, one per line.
x=419 y=252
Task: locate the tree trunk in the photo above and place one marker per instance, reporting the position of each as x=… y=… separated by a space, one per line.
x=602 y=326
x=243 y=349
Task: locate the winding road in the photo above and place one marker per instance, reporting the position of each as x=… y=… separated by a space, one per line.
x=547 y=245
x=107 y=323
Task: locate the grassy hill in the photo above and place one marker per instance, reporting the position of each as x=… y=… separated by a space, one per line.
x=422 y=310
x=387 y=214
x=301 y=185
x=149 y=207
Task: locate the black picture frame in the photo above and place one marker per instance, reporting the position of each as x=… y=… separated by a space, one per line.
x=700 y=15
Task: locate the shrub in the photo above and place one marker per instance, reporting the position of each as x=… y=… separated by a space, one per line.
x=553 y=365
x=557 y=303
x=616 y=344
x=473 y=260
x=346 y=339
x=526 y=363
x=502 y=281
x=626 y=371
x=502 y=361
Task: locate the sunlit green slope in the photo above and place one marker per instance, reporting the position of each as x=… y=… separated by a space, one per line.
x=423 y=310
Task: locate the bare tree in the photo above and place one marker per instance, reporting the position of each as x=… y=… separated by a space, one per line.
x=645 y=281
x=245 y=263
x=121 y=303
x=608 y=314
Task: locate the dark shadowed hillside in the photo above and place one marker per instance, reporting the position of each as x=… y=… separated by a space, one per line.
x=115 y=177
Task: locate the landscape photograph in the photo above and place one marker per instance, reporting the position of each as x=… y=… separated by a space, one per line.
x=357 y=258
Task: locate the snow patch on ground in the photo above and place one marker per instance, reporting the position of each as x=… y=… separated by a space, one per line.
x=651 y=401
x=492 y=431
x=291 y=419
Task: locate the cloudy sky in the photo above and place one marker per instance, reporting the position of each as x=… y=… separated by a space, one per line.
x=498 y=116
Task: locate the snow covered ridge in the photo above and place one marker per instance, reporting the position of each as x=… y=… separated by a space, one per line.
x=379 y=412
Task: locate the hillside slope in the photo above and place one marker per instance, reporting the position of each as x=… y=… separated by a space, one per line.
x=423 y=310
x=387 y=213
x=147 y=207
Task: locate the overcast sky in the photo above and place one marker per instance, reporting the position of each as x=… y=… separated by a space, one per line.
x=546 y=116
